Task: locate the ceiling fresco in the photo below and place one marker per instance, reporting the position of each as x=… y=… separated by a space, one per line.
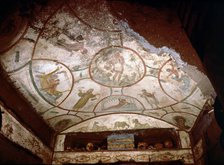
x=82 y=69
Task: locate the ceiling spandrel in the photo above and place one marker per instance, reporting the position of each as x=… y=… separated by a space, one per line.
x=82 y=69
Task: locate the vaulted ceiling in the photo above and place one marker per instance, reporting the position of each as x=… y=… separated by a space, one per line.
x=83 y=66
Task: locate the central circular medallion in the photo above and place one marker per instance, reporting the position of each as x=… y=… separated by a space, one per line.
x=117 y=66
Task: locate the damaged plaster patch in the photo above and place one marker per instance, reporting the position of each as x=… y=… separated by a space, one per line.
x=201 y=79
x=150 y=48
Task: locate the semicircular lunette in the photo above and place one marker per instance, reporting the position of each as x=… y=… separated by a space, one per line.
x=63 y=122
x=114 y=122
x=119 y=103
x=52 y=80
x=117 y=66
x=183 y=121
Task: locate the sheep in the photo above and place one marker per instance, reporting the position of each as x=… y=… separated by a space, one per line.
x=97 y=127
x=120 y=124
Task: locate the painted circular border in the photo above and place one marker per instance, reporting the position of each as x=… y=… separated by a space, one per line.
x=114 y=86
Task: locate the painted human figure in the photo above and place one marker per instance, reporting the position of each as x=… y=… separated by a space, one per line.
x=49 y=83
x=181 y=122
x=149 y=97
x=84 y=98
x=117 y=66
x=172 y=71
x=179 y=77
